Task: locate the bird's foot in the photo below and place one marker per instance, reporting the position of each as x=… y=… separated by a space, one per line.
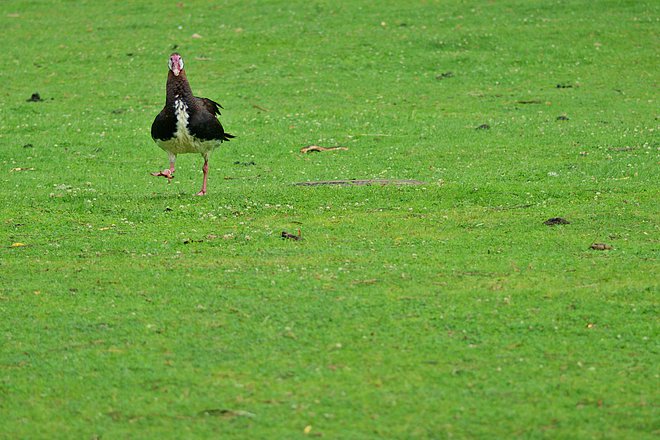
x=165 y=173
x=201 y=193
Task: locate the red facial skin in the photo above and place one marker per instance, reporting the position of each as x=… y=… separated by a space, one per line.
x=176 y=64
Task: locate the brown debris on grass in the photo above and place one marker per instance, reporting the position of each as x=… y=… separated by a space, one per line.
x=363 y=182
x=226 y=413
x=445 y=75
x=317 y=148
x=286 y=235
x=34 y=98
x=556 y=221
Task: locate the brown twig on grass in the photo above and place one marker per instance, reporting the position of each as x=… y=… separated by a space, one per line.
x=317 y=148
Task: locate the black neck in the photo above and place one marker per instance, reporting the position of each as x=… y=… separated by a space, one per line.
x=178 y=88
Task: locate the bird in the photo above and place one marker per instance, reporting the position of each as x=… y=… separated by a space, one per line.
x=187 y=123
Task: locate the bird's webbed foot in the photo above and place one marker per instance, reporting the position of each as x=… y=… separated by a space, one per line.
x=165 y=173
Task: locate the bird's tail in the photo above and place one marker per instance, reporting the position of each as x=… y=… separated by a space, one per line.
x=228 y=136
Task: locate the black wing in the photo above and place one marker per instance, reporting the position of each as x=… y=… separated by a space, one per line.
x=164 y=126
x=212 y=106
x=203 y=123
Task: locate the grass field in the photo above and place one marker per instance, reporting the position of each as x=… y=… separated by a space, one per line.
x=132 y=309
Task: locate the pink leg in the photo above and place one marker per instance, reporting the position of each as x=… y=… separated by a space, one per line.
x=205 y=168
x=169 y=173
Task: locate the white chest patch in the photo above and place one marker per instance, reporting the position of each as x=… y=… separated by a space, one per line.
x=182 y=116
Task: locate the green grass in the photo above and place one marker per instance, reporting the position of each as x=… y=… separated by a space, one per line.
x=448 y=310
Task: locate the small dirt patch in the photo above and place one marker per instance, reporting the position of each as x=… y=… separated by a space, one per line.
x=556 y=221
x=362 y=182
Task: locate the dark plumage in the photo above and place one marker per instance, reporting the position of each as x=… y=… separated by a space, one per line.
x=187 y=124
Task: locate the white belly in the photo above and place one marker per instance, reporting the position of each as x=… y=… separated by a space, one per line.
x=187 y=144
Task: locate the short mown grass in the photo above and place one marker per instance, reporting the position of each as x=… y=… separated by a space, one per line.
x=133 y=309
